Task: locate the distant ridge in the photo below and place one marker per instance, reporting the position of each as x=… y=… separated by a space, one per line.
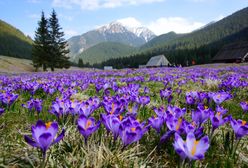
x=104 y=51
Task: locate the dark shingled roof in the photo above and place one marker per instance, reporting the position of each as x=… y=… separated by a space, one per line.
x=234 y=51
x=158 y=61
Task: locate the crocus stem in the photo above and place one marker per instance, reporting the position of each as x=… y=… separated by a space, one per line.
x=181 y=163
x=43 y=164
x=211 y=135
x=235 y=149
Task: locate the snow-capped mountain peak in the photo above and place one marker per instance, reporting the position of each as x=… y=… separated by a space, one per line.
x=143 y=32
x=113 y=27
x=117 y=27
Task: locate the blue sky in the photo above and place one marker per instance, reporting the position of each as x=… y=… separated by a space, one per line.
x=79 y=16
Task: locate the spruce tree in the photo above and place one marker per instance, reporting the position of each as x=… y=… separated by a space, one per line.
x=80 y=62
x=41 y=45
x=58 y=49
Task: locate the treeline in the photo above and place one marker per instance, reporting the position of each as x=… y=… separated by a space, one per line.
x=183 y=57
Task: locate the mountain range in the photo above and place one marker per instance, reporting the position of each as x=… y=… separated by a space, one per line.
x=200 y=45
x=113 y=32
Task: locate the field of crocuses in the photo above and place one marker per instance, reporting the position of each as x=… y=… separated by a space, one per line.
x=163 y=117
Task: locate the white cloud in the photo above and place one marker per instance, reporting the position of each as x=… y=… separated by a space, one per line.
x=96 y=4
x=177 y=24
x=130 y=22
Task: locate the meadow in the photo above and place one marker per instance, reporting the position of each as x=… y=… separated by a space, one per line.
x=157 y=117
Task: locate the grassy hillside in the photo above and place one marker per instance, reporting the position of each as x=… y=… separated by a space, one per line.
x=161 y=39
x=13 y=42
x=10 y=65
x=15 y=65
x=104 y=51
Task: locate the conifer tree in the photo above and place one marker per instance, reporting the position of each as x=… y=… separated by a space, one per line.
x=58 y=49
x=80 y=62
x=41 y=45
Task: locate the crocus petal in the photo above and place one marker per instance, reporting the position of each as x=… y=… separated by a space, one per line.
x=45 y=140
x=190 y=141
x=53 y=129
x=30 y=141
x=38 y=129
x=61 y=136
x=166 y=136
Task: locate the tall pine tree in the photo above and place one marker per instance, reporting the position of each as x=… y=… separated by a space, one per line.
x=58 y=49
x=41 y=45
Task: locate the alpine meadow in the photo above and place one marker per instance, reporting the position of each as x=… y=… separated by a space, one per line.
x=124 y=84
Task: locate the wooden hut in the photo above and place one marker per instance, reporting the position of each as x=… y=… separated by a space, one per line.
x=235 y=52
x=158 y=61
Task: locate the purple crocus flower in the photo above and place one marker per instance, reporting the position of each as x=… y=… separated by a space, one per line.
x=240 y=128
x=1 y=111
x=146 y=90
x=144 y=100
x=132 y=111
x=86 y=109
x=156 y=123
x=75 y=107
x=221 y=97
x=218 y=120
x=202 y=96
x=191 y=97
x=190 y=100
x=60 y=107
x=166 y=93
x=221 y=110
x=175 y=111
x=34 y=104
x=8 y=98
x=43 y=135
x=112 y=123
x=201 y=115
x=160 y=111
x=191 y=148
x=244 y=106
x=113 y=107
x=131 y=130
x=193 y=127
x=176 y=124
x=87 y=126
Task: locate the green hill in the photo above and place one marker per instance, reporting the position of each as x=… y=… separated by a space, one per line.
x=161 y=39
x=209 y=34
x=104 y=51
x=13 y=42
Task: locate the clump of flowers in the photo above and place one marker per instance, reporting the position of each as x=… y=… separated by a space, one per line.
x=43 y=136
